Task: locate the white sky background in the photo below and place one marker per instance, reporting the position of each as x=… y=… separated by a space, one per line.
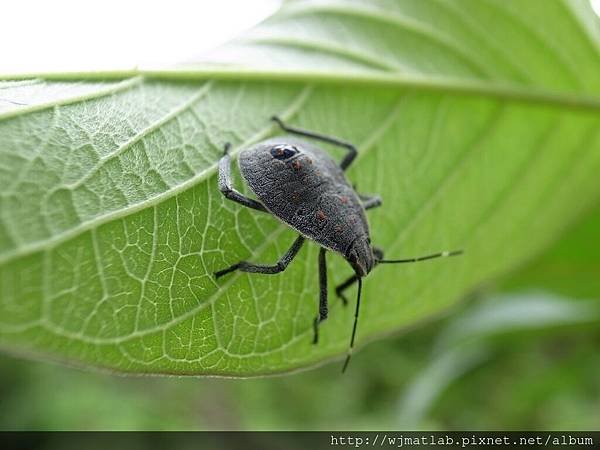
x=68 y=35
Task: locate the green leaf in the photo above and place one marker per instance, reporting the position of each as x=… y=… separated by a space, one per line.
x=466 y=342
x=477 y=122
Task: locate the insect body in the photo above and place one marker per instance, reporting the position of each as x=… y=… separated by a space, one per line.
x=306 y=189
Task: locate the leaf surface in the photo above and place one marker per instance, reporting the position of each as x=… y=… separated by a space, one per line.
x=477 y=123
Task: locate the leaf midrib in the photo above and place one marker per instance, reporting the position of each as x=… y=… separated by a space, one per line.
x=370 y=78
x=126 y=84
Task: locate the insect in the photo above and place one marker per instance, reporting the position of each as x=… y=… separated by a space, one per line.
x=307 y=190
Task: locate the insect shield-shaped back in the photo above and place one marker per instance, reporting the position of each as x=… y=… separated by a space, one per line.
x=307 y=190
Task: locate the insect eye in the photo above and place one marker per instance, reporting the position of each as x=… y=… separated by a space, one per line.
x=283 y=151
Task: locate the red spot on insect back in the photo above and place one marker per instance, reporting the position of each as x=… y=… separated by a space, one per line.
x=321 y=215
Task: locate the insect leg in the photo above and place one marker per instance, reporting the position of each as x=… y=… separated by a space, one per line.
x=370 y=202
x=339 y=290
x=262 y=268
x=322 y=294
x=352 y=152
x=225 y=184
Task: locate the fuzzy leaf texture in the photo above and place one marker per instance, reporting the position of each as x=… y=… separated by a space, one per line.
x=477 y=122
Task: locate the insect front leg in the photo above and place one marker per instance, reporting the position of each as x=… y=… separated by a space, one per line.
x=323 y=308
x=352 y=152
x=339 y=290
x=281 y=265
x=226 y=186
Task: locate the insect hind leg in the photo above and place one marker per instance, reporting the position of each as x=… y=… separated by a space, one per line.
x=323 y=308
x=244 y=266
x=370 y=201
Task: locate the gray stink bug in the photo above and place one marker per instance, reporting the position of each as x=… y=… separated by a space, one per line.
x=307 y=190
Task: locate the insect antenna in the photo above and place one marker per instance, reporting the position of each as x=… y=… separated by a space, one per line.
x=420 y=258
x=354 y=326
